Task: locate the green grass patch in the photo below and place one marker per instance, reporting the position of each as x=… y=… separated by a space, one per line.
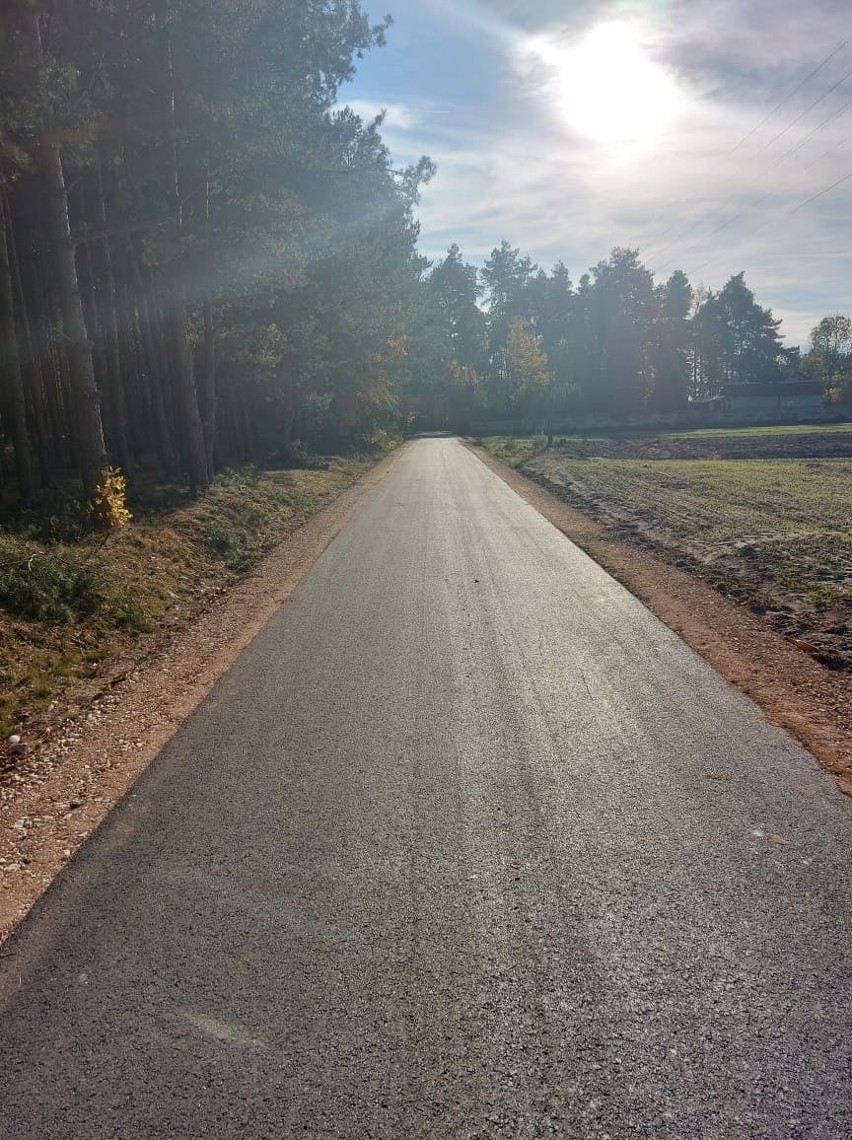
x=514 y=450
x=722 y=500
x=759 y=432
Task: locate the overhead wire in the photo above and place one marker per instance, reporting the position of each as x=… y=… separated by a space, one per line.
x=806 y=111
x=798 y=87
x=803 y=142
x=790 y=94
x=821 y=194
x=786 y=154
x=765 y=225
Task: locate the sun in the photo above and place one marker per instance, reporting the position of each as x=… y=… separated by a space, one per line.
x=608 y=88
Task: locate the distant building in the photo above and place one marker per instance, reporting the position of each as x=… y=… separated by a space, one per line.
x=791 y=400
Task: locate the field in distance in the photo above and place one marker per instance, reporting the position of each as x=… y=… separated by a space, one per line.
x=764 y=515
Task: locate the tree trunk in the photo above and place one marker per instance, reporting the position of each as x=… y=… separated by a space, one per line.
x=207 y=394
x=91 y=314
x=185 y=385
x=109 y=328
x=187 y=394
x=51 y=361
x=30 y=362
x=153 y=363
x=78 y=350
x=12 y=363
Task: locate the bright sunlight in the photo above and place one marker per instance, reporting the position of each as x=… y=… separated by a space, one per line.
x=607 y=87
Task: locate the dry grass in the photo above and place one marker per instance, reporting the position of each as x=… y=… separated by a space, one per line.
x=792 y=517
x=776 y=533
x=68 y=610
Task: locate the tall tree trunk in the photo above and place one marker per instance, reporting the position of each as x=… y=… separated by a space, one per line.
x=11 y=361
x=52 y=362
x=136 y=397
x=187 y=393
x=109 y=327
x=91 y=314
x=78 y=350
x=30 y=363
x=176 y=315
x=156 y=375
x=207 y=393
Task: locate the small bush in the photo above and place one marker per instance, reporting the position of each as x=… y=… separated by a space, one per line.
x=58 y=586
x=110 y=502
x=298 y=458
x=229 y=545
x=242 y=477
x=124 y=609
x=47 y=584
x=381 y=442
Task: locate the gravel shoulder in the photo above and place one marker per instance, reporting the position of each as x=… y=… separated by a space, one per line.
x=795 y=692
x=83 y=764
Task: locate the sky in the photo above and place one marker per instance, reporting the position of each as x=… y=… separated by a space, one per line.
x=705 y=133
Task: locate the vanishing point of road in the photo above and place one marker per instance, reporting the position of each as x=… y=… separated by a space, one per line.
x=467 y=844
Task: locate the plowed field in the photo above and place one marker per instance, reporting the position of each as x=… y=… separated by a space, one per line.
x=772 y=528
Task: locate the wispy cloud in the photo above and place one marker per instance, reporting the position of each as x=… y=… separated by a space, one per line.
x=714 y=190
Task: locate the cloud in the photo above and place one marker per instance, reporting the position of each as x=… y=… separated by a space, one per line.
x=723 y=185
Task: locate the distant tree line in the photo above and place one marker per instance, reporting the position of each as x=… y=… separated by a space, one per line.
x=512 y=341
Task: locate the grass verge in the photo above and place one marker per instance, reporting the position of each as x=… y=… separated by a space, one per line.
x=68 y=609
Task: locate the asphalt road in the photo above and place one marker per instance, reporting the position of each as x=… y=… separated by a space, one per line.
x=467 y=844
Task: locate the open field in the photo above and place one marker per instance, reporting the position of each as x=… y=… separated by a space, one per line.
x=774 y=532
x=69 y=609
x=822 y=441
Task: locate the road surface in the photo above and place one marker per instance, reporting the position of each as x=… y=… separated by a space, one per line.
x=467 y=844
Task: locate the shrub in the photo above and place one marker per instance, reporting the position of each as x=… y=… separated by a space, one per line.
x=229 y=545
x=110 y=502
x=46 y=584
x=58 y=586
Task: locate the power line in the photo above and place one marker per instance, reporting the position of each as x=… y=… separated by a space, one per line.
x=765 y=225
x=828 y=150
x=806 y=111
x=834 y=115
x=827 y=59
x=814 y=197
x=795 y=91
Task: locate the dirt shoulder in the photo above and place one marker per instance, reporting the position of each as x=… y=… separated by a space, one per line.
x=812 y=703
x=55 y=795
